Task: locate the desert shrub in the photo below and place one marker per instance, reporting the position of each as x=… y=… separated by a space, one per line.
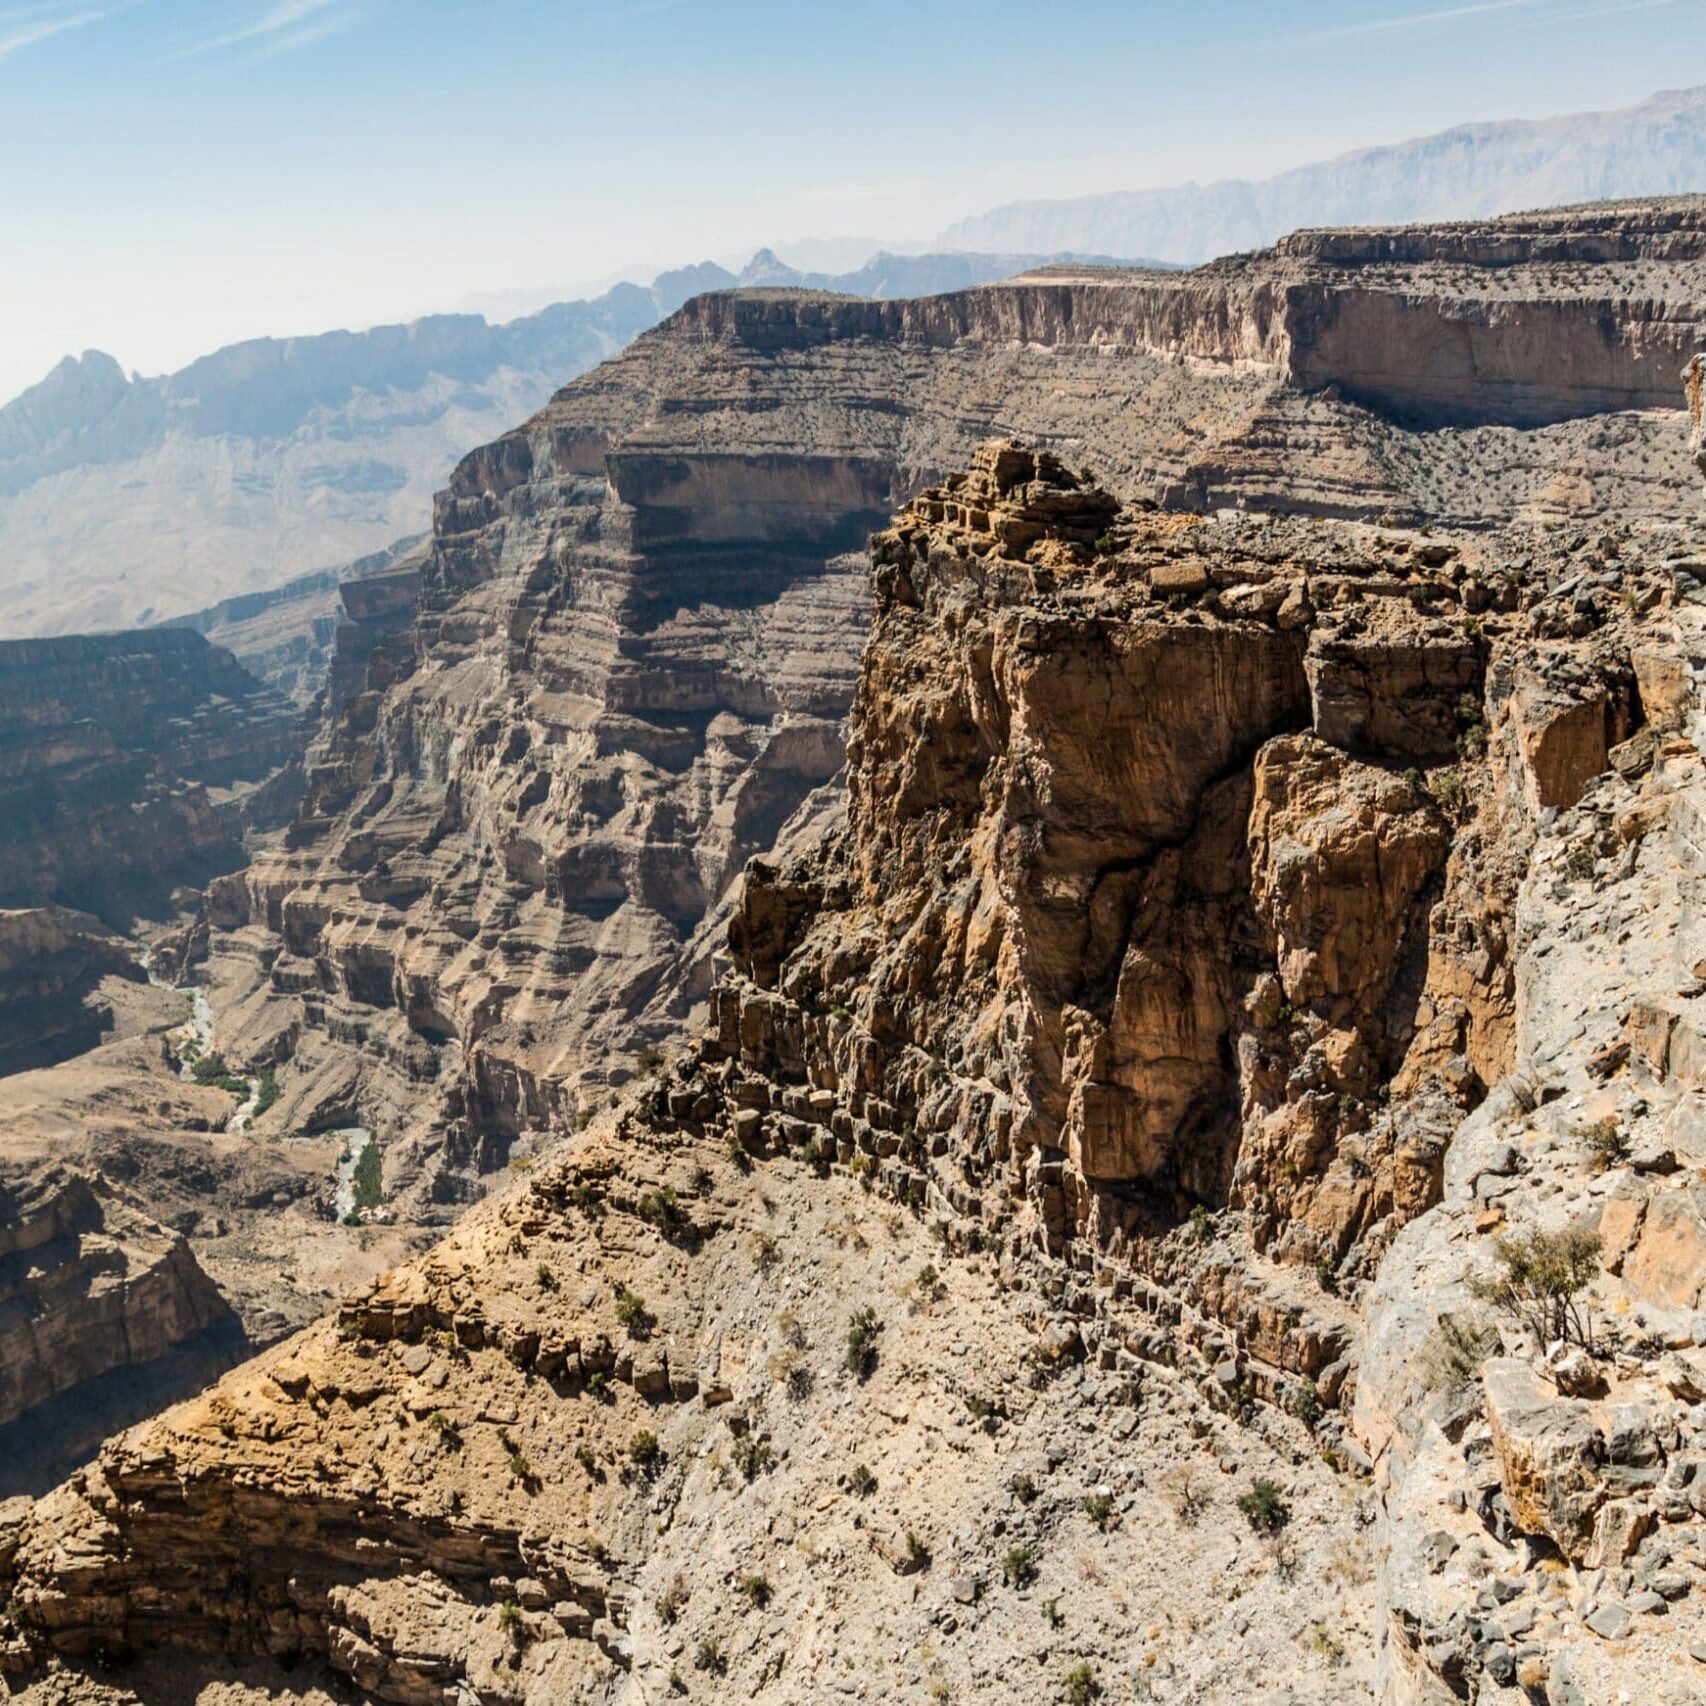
x=860 y=1355
x=670 y=1604
x=1263 y=1507
x=1304 y=1402
x=650 y=1061
x=644 y=1451
x=766 y=1252
x=1540 y=1278
x=631 y=1311
x=1019 y=1567
x=753 y=1456
x=862 y=1481
x=1452 y=1354
x=1099 y=1507
x=661 y=1209
x=1607 y=1144
x=708 y=1656
x=1080 y=1687
x=509 y=1620
x=755 y=1590
x=1025 y=1488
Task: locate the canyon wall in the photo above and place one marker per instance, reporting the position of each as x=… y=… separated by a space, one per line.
x=1066 y=1088
x=637 y=624
x=109 y=747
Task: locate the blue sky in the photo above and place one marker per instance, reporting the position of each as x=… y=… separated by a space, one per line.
x=175 y=174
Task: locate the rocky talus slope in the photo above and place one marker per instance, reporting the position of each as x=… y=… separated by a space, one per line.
x=117 y=752
x=1070 y=1153
x=638 y=626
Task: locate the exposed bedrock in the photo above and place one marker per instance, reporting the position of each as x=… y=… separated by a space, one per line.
x=637 y=628
x=109 y=745
x=98 y=1302
x=1128 y=964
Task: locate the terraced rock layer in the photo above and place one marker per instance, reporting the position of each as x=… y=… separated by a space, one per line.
x=637 y=632
x=109 y=747
x=1167 y=935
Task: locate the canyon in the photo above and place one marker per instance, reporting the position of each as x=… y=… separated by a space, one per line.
x=1000 y=1007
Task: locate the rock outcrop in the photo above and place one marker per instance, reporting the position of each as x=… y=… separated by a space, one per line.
x=1164 y=940
x=52 y=965
x=96 y=1301
x=113 y=748
x=637 y=625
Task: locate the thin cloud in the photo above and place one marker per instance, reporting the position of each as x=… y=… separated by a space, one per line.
x=281 y=28
x=1418 y=20
x=16 y=33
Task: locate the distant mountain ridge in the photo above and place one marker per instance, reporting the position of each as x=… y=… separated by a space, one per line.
x=1657 y=147
x=128 y=500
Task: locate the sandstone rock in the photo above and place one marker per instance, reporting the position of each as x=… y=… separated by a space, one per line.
x=1550 y=1456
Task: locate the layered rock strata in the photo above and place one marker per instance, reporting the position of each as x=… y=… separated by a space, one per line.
x=109 y=747
x=94 y=1299
x=636 y=631
x=1166 y=937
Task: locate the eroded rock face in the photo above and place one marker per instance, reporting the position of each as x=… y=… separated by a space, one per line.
x=94 y=1299
x=1109 y=927
x=109 y=744
x=637 y=628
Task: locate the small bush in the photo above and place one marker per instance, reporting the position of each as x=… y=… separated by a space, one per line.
x=670 y=1604
x=650 y=1061
x=1019 y=1567
x=1579 y=862
x=1263 y=1507
x=1025 y=1489
x=1452 y=1355
x=1080 y=1687
x=509 y=1620
x=644 y=1451
x=587 y=1458
x=862 y=1481
x=766 y=1252
x=660 y=1208
x=916 y=1550
x=547 y=1280
x=753 y=1456
x=1199 y=1222
x=1099 y=1507
x=861 y=1352
x=1540 y=1278
x=755 y=1590
x=1304 y=1402
x=708 y=1656
x=631 y=1311
x=1607 y=1144
x=587 y=1195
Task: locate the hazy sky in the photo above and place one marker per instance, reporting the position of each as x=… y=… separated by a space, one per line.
x=176 y=174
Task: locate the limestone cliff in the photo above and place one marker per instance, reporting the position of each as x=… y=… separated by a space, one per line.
x=637 y=626
x=1175 y=921
x=109 y=747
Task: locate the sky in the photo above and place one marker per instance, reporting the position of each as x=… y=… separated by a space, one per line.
x=179 y=174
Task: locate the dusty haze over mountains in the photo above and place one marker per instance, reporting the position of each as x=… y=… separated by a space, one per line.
x=126 y=501
x=961 y=973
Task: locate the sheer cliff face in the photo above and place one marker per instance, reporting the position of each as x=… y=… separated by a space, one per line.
x=1181 y=868
x=637 y=631
x=108 y=747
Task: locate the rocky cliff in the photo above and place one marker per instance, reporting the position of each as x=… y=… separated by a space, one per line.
x=637 y=625
x=1069 y=1096
x=109 y=747
x=98 y=1301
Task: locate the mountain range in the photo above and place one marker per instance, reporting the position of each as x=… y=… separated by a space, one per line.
x=1657 y=147
x=128 y=500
